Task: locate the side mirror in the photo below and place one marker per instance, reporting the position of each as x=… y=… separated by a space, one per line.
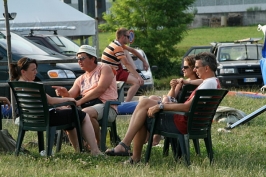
x=154 y=68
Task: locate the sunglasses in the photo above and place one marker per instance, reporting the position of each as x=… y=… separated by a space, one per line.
x=185 y=67
x=127 y=36
x=197 y=67
x=25 y=63
x=81 y=58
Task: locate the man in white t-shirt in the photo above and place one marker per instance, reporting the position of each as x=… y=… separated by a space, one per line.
x=205 y=68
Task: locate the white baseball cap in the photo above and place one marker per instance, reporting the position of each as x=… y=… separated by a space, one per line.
x=87 y=49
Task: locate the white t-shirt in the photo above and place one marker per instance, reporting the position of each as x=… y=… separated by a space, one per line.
x=210 y=83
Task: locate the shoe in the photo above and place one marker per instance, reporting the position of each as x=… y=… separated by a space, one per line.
x=124 y=153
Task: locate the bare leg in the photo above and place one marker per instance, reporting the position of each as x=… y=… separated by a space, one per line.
x=138 y=142
x=93 y=116
x=137 y=126
x=72 y=135
x=88 y=134
x=133 y=81
x=96 y=128
x=156 y=138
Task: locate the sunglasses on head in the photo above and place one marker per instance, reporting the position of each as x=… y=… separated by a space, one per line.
x=185 y=67
x=26 y=61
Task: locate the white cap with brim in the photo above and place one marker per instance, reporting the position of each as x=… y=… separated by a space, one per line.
x=87 y=49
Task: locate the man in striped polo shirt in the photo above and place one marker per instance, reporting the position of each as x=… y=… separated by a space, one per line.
x=114 y=55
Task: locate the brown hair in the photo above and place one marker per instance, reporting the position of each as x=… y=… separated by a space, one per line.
x=191 y=62
x=121 y=32
x=22 y=64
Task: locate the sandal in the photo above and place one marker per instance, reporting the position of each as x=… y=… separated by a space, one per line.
x=125 y=153
x=130 y=161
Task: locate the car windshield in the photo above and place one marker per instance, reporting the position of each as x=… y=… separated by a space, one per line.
x=65 y=44
x=242 y=52
x=20 y=45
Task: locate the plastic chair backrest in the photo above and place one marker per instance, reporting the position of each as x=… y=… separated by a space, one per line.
x=32 y=104
x=202 y=111
x=186 y=92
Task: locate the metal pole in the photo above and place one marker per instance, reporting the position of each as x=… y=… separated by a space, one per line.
x=9 y=54
x=96 y=41
x=85 y=11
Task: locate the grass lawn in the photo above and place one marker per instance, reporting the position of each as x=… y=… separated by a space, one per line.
x=238 y=153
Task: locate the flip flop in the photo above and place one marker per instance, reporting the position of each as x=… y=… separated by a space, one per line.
x=125 y=153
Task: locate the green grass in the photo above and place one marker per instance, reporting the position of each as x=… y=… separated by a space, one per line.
x=238 y=153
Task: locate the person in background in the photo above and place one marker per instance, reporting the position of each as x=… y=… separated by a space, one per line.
x=96 y=86
x=26 y=70
x=140 y=121
x=114 y=55
x=5 y=101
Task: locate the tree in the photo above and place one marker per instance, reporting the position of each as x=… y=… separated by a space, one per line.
x=158 y=26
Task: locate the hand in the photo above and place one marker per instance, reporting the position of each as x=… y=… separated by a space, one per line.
x=145 y=65
x=173 y=83
x=61 y=91
x=78 y=103
x=141 y=81
x=5 y=101
x=180 y=80
x=152 y=110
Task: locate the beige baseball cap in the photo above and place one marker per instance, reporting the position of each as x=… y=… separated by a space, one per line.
x=87 y=49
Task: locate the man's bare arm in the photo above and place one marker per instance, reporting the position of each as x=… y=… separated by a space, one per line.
x=136 y=53
x=105 y=81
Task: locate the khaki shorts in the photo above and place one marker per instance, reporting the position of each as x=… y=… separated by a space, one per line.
x=99 y=109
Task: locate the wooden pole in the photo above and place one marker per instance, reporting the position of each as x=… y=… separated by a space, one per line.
x=9 y=55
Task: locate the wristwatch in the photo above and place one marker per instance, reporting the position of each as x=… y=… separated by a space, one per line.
x=161 y=106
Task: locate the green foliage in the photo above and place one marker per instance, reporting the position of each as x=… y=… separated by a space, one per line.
x=158 y=26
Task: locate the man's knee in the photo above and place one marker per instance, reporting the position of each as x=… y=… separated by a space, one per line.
x=91 y=112
x=147 y=102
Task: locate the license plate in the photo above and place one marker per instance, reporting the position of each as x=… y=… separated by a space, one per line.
x=250 y=79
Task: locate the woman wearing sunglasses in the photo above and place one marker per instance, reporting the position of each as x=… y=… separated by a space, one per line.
x=25 y=70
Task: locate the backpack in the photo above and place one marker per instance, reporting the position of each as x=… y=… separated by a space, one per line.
x=7 y=142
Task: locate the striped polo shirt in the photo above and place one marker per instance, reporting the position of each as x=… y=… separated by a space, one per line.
x=112 y=54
